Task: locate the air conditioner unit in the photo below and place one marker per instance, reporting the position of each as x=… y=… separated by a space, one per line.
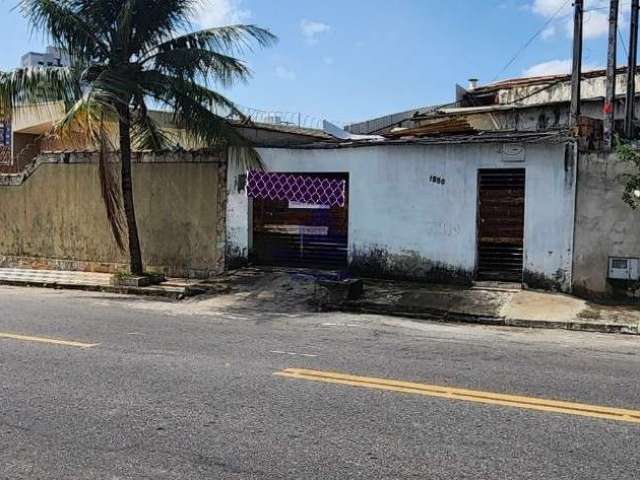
x=624 y=268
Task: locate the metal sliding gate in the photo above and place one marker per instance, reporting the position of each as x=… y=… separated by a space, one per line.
x=501 y=195
x=301 y=234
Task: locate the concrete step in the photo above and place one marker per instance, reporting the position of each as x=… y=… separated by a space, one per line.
x=493 y=286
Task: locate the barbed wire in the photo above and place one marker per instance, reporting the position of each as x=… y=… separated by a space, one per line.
x=281 y=117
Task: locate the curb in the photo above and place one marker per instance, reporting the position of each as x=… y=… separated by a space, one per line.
x=446 y=316
x=121 y=290
x=577 y=326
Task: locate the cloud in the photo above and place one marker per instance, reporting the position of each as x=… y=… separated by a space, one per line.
x=554 y=67
x=560 y=13
x=216 y=13
x=285 y=74
x=596 y=24
x=548 y=8
x=328 y=60
x=548 y=32
x=311 y=30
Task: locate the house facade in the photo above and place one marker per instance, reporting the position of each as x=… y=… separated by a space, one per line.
x=498 y=207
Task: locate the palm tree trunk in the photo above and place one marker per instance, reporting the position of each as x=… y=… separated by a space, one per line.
x=135 y=254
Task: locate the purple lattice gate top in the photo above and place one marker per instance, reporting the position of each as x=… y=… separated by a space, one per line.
x=296 y=188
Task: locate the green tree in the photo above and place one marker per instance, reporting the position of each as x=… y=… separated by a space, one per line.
x=628 y=152
x=127 y=55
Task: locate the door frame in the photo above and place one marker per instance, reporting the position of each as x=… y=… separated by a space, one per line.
x=478 y=217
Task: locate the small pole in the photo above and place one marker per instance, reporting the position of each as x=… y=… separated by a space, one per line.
x=576 y=71
x=631 y=71
x=609 y=107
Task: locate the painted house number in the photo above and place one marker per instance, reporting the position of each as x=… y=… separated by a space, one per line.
x=437 y=180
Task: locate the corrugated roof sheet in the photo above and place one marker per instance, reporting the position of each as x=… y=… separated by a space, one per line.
x=292 y=129
x=448 y=126
x=550 y=137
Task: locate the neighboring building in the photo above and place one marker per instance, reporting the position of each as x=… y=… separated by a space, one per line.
x=32 y=127
x=51 y=58
x=521 y=104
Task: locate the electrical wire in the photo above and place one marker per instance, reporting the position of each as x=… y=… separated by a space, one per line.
x=624 y=45
x=531 y=39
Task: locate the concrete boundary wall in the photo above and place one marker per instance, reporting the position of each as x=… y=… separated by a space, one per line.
x=605 y=225
x=52 y=214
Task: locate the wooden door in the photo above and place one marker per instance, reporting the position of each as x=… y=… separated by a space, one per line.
x=501 y=195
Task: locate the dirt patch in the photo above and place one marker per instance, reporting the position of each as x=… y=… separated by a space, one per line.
x=590 y=314
x=249 y=293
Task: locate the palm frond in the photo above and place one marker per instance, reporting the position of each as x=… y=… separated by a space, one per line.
x=115 y=85
x=209 y=129
x=163 y=87
x=94 y=122
x=160 y=20
x=90 y=119
x=243 y=159
x=198 y=63
x=145 y=132
x=234 y=39
x=67 y=27
x=36 y=86
x=194 y=110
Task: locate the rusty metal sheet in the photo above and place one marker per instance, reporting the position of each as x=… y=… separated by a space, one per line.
x=286 y=235
x=501 y=197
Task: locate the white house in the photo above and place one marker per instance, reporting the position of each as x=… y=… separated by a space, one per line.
x=496 y=206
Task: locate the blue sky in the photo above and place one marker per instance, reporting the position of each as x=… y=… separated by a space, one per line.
x=349 y=60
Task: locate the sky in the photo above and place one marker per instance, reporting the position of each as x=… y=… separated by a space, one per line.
x=352 y=60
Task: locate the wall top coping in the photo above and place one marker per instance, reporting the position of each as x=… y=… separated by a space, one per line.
x=91 y=157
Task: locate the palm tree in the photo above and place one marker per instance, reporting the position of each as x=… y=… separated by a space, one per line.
x=128 y=55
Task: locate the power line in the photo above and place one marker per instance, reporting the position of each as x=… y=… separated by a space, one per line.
x=531 y=39
x=624 y=45
x=622 y=42
x=606 y=8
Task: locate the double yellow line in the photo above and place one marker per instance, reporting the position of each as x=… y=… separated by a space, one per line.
x=490 y=398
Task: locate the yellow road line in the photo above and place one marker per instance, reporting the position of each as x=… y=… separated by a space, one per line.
x=53 y=341
x=490 y=398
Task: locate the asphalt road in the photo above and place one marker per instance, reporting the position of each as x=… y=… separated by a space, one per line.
x=171 y=391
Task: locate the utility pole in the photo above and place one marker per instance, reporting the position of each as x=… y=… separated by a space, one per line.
x=609 y=109
x=576 y=71
x=631 y=71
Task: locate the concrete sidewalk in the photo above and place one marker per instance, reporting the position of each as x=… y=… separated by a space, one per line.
x=279 y=290
x=297 y=290
x=172 y=288
x=495 y=305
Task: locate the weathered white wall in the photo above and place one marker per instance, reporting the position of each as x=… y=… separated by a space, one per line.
x=540 y=117
x=402 y=223
x=537 y=94
x=605 y=225
x=238 y=224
